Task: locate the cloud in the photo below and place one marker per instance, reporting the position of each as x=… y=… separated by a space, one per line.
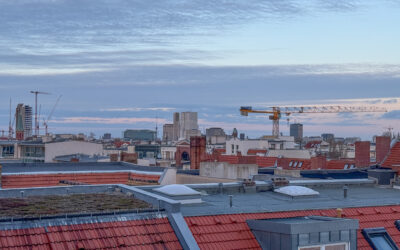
x=103 y=120
x=392 y=115
x=339 y=5
x=136 y=109
x=391 y=101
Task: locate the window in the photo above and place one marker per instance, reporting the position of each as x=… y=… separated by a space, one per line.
x=346 y=166
x=379 y=239
x=7 y=151
x=290 y=163
x=281 y=146
x=295 y=164
x=300 y=164
x=352 y=166
x=337 y=246
x=233 y=149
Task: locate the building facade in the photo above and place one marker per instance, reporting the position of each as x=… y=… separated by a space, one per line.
x=23 y=121
x=168 y=132
x=296 y=130
x=140 y=135
x=188 y=125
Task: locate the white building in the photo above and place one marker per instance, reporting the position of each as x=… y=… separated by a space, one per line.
x=235 y=145
x=54 y=149
x=168 y=152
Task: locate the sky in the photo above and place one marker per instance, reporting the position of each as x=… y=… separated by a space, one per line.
x=122 y=64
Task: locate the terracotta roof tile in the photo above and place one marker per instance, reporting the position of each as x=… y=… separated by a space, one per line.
x=265 y=161
x=147 y=234
x=392 y=160
x=232 y=232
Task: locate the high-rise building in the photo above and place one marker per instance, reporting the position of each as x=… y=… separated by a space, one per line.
x=107 y=136
x=296 y=130
x=175 y=132
x=183 y=127
x=168 y=132
x=328 y=137
x=188 y=125
x=23 y=121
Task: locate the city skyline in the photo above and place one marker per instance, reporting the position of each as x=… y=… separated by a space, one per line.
x=121 y=64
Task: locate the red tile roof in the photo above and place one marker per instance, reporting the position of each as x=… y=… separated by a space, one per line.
x=238 y=159
x=134 y=234
x=290 y=163
x=231 y=231
x=256 y=151
x=339 y=164
x=393 y=158
x=45 y=180
x=264 y=161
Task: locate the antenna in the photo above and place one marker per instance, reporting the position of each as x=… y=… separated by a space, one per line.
x=10 y=132
x=156 y=127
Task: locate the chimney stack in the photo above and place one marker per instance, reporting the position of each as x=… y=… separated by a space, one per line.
x=362 y=158
x=382 y=148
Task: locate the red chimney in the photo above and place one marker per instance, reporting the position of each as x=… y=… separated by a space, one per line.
x=197 y=151
x=318 y=162
x=382 y=148
x=362 y=158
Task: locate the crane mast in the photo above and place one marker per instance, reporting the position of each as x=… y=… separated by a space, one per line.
x=36 y=110
x=277 y=112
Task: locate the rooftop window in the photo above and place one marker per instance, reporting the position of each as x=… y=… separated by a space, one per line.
x=346 y=166
x=379 y=239
x=300 y=164
x=295 y=164
x=290 y=163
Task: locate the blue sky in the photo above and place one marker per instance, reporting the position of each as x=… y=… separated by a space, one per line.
x=119 y=64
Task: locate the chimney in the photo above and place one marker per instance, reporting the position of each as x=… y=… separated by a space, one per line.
x=362 y=158
x=318 y=162
x=197 y=151
x=382 y=148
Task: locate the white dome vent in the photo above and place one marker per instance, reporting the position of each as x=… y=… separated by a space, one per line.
x=176 y=190
x=296 y=191
x=181 y=193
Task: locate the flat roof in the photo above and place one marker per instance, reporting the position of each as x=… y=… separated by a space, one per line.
x=35 y=206
x=329 y=197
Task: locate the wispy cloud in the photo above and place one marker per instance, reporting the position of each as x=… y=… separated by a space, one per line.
x=103 y=120
x=137 y=109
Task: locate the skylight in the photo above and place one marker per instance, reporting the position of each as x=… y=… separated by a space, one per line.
x=176 y=190
x=379 y=239
x=296 y=191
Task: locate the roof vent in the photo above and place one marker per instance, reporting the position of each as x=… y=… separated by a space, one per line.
x=296 y=191
x=181 y=193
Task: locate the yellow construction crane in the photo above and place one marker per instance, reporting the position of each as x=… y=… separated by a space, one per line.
x=277 y=112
